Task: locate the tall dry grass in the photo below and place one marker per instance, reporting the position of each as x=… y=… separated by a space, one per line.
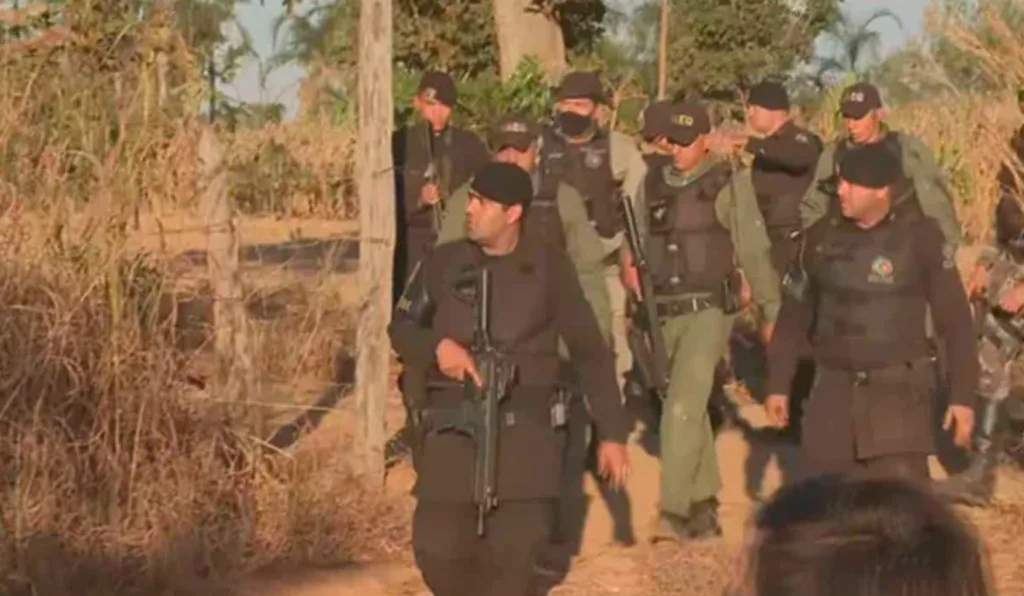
x=968 y=133
x=116 y=475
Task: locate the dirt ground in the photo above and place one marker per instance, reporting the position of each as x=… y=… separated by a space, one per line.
x=752 y=459
x=752 y=464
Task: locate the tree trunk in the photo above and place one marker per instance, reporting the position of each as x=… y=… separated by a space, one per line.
x=663 y=51
x=377 y=231
x=524 y=32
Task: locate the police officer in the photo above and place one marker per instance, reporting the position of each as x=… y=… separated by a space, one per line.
x=998 y=282
x=536 y=299
x=561 y=219
x=785 y=157
x=863 y=116
x=598 y=163
x=696 y=230
x=869 y=271
x=432 y=158
x=564 y=222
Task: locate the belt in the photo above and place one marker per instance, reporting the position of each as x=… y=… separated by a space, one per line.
x=686 y=306
x=862 y=377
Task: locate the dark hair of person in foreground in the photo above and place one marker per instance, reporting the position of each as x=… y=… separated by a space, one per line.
x=837 y=536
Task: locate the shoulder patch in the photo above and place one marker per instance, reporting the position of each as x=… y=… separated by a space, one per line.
x=802 y=138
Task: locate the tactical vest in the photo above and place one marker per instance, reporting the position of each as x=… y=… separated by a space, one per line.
x=688 y=249
x=870 y=294
x=587 y=167
x=779 y=195
x=543 y=219
x=521 y=320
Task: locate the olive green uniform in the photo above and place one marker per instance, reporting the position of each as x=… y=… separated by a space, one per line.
x=918 y=165
x=596 y=169
x=696 y=340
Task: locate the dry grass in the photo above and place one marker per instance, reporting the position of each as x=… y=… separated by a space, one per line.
x=117 y=475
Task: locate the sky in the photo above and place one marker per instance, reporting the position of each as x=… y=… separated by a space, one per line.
x=282 y=83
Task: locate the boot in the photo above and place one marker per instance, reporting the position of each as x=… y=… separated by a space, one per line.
x=975 y=485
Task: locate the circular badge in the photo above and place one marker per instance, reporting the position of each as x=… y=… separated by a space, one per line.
x=593 y=159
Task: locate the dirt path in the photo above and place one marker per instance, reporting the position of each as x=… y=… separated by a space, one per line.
x=602 y=567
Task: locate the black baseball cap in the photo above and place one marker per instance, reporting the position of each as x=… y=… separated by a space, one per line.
x=581 y=85
x=515 y=131
x=859 y=99
x=503 y=183
x=770 y=95
x=656 y=118
x=438 y=86
x=871 y=166
x=687 y=121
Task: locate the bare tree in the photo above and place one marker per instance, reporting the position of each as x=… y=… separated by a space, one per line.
x=377 y=230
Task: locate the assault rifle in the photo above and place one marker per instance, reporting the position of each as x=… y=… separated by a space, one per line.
x=478 y=414
x=432 y=176
x=497 y=374
x=645 y=339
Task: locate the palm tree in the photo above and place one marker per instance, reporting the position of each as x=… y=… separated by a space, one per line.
x=858 y=46
x=322 y=41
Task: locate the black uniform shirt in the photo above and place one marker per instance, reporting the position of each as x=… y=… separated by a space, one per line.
x=570 y=314
x=790 y=149
x=536 y=299
x=456 y=154
x=942 y=289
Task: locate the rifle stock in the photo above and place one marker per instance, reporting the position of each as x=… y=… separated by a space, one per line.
x=646 y=340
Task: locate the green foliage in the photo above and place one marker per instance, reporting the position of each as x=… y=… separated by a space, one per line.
x=455 y=35
x=724 y=46
x=484 y=100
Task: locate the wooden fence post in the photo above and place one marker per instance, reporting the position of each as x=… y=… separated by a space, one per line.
x=230 y=321
x=377 y=231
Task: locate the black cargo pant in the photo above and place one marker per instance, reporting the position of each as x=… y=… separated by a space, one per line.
x=454 y=561
x=829 y=436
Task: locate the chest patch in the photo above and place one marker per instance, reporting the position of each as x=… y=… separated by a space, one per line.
x=593 y=158
x=882 y=271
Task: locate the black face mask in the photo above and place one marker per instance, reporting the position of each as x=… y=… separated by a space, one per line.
x=572 y=124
